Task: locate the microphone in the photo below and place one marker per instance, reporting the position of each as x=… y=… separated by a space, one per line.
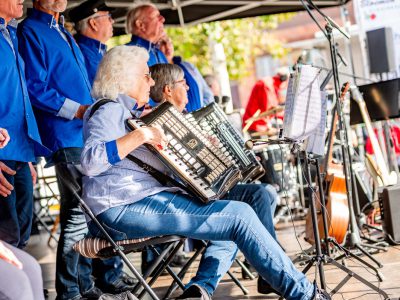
x=335 y=25
x=329 y=20
x=256 y=144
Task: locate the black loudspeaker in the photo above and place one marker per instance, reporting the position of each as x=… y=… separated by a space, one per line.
x=389 y=201
x=364 y=190
x=381 y=50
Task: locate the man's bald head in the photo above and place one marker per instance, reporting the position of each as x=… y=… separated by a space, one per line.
x=56 y=6
x=145 y=21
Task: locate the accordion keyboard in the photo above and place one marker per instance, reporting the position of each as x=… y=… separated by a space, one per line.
x=213 y=121
x=202 y=167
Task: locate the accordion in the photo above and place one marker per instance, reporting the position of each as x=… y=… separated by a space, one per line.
x=207 y=172
x=213 y=121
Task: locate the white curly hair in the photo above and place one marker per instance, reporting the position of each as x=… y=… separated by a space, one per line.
x=117 y=73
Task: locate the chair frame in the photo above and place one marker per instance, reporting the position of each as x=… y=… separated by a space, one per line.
x=160 y=264
x=174 y=243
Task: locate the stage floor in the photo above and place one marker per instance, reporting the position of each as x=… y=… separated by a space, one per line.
x=228 y=290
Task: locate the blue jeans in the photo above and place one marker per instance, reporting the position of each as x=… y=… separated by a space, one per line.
x=263 y=193
x=73 y=270
x=244 y=219
x=16 y=210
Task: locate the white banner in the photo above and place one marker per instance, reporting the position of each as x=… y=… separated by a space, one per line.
x=374 y=14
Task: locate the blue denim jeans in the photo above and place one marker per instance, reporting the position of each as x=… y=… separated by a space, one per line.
x=262 y=193
x=73 y=270
x=16 y=210
x=244 y=219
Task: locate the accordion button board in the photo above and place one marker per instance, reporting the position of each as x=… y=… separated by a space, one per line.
x=207 y=171
x=213 y=121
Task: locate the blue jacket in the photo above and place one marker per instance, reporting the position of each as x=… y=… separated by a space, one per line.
x=57 y=79
x=93 y=51
x=16 y=113
x=156 y=56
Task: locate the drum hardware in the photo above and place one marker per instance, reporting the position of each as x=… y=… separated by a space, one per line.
x=257 y=116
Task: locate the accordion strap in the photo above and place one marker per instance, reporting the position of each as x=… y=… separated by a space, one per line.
x=159 y=176
x=97 y=105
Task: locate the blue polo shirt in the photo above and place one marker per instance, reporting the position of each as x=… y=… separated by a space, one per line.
x=93 y=51
x=57 y=79
x=16 y=113
x=155 y=54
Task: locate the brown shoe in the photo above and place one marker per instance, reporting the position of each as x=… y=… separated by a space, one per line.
x=264 y=287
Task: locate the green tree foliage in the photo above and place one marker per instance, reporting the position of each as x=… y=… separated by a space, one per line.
x=243 y=41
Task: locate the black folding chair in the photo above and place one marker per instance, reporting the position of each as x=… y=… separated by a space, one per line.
x=107 y=247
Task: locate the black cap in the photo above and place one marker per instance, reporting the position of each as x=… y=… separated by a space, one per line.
x=88 y=8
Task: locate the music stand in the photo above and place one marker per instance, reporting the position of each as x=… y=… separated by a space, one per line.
x=388 y=92
x=319 y=259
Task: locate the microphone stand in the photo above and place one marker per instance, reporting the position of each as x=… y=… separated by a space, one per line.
x=354 y=234
x=320 y=258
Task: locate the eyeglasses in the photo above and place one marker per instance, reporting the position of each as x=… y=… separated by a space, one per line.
x=107 y=15
x=183 y=83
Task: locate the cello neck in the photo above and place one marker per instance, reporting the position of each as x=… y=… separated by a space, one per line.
x=328 y=157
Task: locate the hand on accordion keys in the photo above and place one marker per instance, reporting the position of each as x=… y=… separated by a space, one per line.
x=155 y=136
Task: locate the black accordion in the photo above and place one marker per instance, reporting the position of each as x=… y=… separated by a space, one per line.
x=213 y=121
x=206 y=171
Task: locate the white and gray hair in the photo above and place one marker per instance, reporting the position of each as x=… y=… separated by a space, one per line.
x=163 y=74
x=133 y=15
x=83 y=24
x=117 y=72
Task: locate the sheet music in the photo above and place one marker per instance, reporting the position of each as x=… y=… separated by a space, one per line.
x=303 y=104
x=316 y=142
